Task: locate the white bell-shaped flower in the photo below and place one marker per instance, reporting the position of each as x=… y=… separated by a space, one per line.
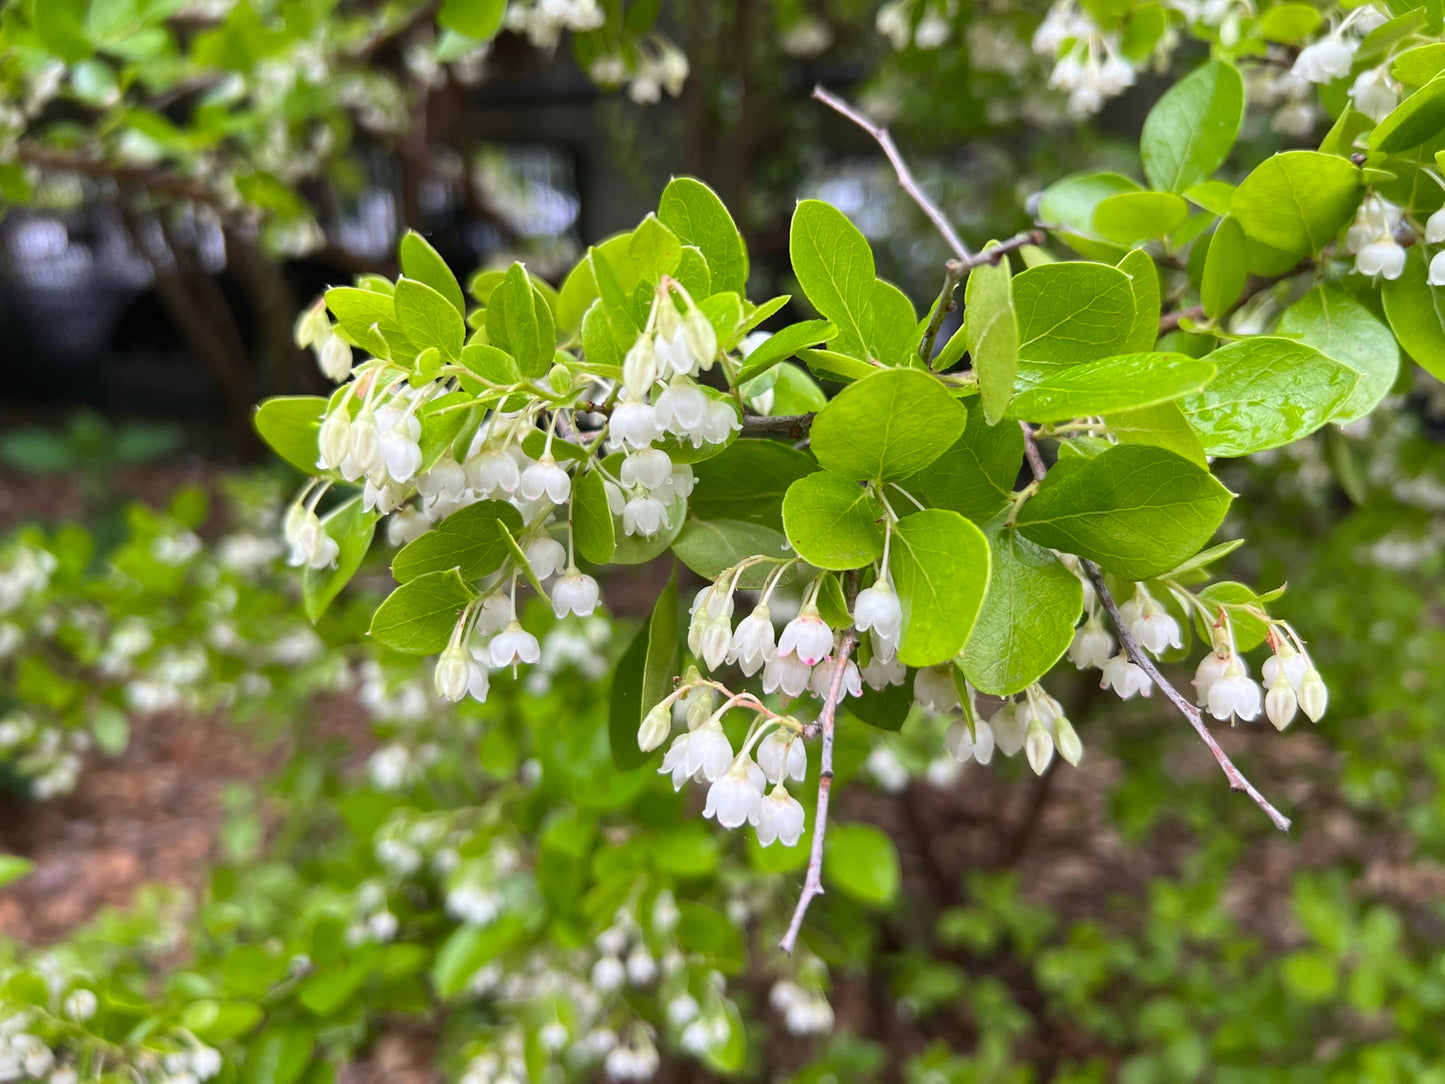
x=406 y=525
x=1124 y=677
x=639 y=368
x=495 y=614
x=1374 y=94
x=736 y=796
x=513 y=645
x=334 y=440
x=781 y=756
x=633 y=424
x=1149 y=623
x=1383 y=258
x=311 y=545
x=681 y=408
x=821 y=681
x=965 y=745
x=399 y=435
x=479 y=677
x=752 y=641
x=452 y=673
x=882 y=672
x=674 y=761
x=365 y=450
x=786 y=674
x=656 y=726
x=545 y=478
x=719 y=423
x=1436 y=273
x=446 y=479
x=493 y=472
x=807 y=636
x=576 y=592
x=1211 y=668
x=384 y=498
x=1435 y=227
x=877 y=609
x=546 y=556
x=650 y=468
x=1234 y=693
x=1092 y=645
x=644 y=515
x=1326 y=60
x=671 y=353
x=1314 y=697
x=709 y=753
x=1280 y=703
x=1009 y=725
x=933 y=687
x=1038 y=745
x=780 y=818
x=1285 y=663
x=717 y=642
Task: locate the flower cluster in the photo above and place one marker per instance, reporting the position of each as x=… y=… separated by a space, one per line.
x=1090 y=65
x=648 y=66
x=1291 y=683
x=544 y=21
x=1333 y=56
x=1371 y=239
x=925 y=24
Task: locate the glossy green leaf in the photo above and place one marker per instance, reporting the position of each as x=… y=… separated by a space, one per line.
x=976 y=475
x=519 y=322
x=1334 y=323
x=1192 y=127
x=643 y=678
x=712 y=545
x=468 y=949
x=890 y=425
x=423 y=263
x=1297 y=201
x=1226 y=268
x=940 y=566
x=1136 y=510
x=654 y=250
x=478 y=19
x=748 y=481
x=359 y=312
x=1028 y=616
x=418 y=617
x=1416 y=312
x=1419 y=118
x=1266 y=392
x=1070 y=313
x=991 y=333
x=833 y=522
x=1144 y=284
x=862 y=863
x=291 y=425
x=1061 y=393
x=1162 y=426
x=472 y=539
x=895 y=325
x=429 y=319
x=784 y=344
x=1131 y=217
x=693 y=211
x=834 y=266
x=352 y=527
x=592 y=524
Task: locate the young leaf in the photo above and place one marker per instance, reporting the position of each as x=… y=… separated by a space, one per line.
x=1192 y=127
x=693 y=211
x=1144 y=282
x=418 y=617
x=352 y=527
x=291 y=425
x=1028 y=616
x=1416 y=313
x=359 y=312
x=940 y=566
x=429 y=319
x=1059 y=393
x=1226 y=267
x=1334 y=323
x=473 y=540
x=832 y=522
x=1136 y=510
x=1070 y=313
x=654 y=250
x=1297 y=201
x=592 y=519
x=643 y=677
x=783 y=344
x=894 y=322
x=991 y=332
x=892 y=424
x=834 y=266
x=519 y=322
x=1266 y=392
x=423 y=263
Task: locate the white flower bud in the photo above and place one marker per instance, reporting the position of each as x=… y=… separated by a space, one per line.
x=639 y=368
x=1280 y=703
x=81 y=1004
x=781 y=756
x=334 y=440
x=453 y=673
x=1313 y=696
x=1066 y=740
x=1435 y=227
x=334 y=358
x=656 y=726
x=701 y=338
x=1436 y=275
x=1038 y=745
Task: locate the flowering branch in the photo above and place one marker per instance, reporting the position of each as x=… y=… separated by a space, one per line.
x=1139 y=658
x=813 y=883
x=900 y=167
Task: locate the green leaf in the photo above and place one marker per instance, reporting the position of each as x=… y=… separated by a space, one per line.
x=1144 y=284
x=710 y=546
x=495 y=366
x=360 y=313
x=478 y=19
x=423 y=263
x=1074 y=312
x=1136 y=510
x=833 y=522
x=1334 y=323
x=832 y=365
x=1213 y=196
x=834 y=266
x=991 y=332
x=1416 y=312
x=643 y=677
x=1131 y=217
x=1191 y=129
x=429 y=319
x=473 y=540
x=280 y=1055
x=895 y=322
x=592 y=519
x=940 y=566
x=469 y=948
x=1266 y=392
x=352 y=527
x=889 y=425
x=976 y=475
x=1069 y=205
x=520 y=322
x=654 y=250
x=747 y=482
x=111 y=729
x=1162 y=426
x=794 y=391
x=1061 y=393
x=291 y=425
x=13 y=867
x=217 y=1021
x=616 y=301
x=693 y=211
x=1297 y=201
x=1226 y=267
x=1028 y=616
x=861 y=861
x=418 y=617
x=885 y=709
x=1419 y=118
x=1416 y=67
x=1290 y=23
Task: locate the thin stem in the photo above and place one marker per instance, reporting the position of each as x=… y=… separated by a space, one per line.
x=1136 y=655
x=813 y=883
x=900 y=167
x=796 y=426
x=953 y=273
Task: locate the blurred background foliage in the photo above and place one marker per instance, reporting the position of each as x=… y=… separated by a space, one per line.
x=324 y=875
